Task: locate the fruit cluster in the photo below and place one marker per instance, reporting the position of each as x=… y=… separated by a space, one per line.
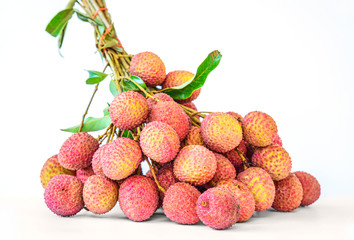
x=217 y=170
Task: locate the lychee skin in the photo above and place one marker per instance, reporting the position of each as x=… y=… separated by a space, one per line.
x=77 y=151
x=128 y=110
x=63 y=195
x=261 y=185
x=194 y=137
x=149 y=67
x=138 y=197
x=218 y=208
x=52 y=168
x=288 y=194
x=163 y=97
x=311 y=188
x=236 y=115
x=274 y=159
x=166 y=178
x=195 y=164
x=224 y=169
x=236 y=160
x=100 y=194
x=159 y=141
x=177 y=78
x=180 y=203
x=221 y=132
x=277 y=140
x=172 y=114
x=243 y=195
x=121 y=158
x=84 y=173
x=97 y=160
x=258 y=129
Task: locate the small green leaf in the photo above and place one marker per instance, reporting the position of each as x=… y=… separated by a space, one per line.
x=85 y=18
x=61 y=36
x=113 y=88
x=127 y=134
x=128 y=85
x=59 y=21
x=105 y=111
x=91 y=125
x=185 y=90
x=95 y=77
x=108 y=44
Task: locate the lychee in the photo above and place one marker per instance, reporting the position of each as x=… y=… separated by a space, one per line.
x=277 y=140
x=261 y=185
x=84 y=173
x=224 y=169
x=194 y=137
x=195 y=164
x=163 y=97
x=237 y=116
x=63 y=195
x=311 y=188
x=138 y=197
x=77 y=151
x=149 y=67
x=180 y=203
x=218 y=208
x=159 y=141
x=166 y=178
x=236 y=160
x=128 y=110
x=100 y=194
x=97 y=159
x=221 y=132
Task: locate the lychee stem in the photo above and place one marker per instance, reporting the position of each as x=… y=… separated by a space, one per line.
x=205 y=203
x=244 y=161
x=154 y=176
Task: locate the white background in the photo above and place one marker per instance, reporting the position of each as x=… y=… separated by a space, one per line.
x=291 y=59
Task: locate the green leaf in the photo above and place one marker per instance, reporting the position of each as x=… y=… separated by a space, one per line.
x=105 y=111
x=91 y=125
x=95 y=77
x=61 y=36
x=59 y=21
x=127 y=134
x=113 y=88
x=85 y=18
x=128 y=85
x=185 y=90
x=108 y=44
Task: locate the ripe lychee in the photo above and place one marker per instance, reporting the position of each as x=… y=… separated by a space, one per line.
x=166 y=178
x=63 y=195
x=121 y=158
x=288 y=194
x=180 y=203
x=277 y=140
x=97 y=159
x=243 y=195
x=177 y=78
x=221 y=132
x=194 y=137
x=52 y=168
x=224 y=169
x=159 y=141
x=172 y=114
x=128 y=110
x=149 y=67
x=218 y=208
x=138 y=197
x=261 y=185
x=258 y=129
x=274 y=159
x=84 y=173
x=163 y=97
x=77 y=151
x=100 y=194
x=237 y=116
x=311 y=188
x=195 y=164
x=236 y=160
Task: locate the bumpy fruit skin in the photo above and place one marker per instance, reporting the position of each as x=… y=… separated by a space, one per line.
x=180 y=203
x=288 y=194
x=195 y=164
x=149 y=67
x=128 y=110
x=172 y=114
x=77 y=151
x=311 y=188
x=221 y=132
x=277 y=140
x=166 y=178
x=194 y=137
x=121 y=158
x=63 y=195
x=224 y=169
x=177 y=78
x=159 y=141
x=235 y=160
x=258 y=129
x=52 y=168
x=138 y=197
x=261 y=185
x=237 y=116
x=218 y=208
x=243 y=195
x=100 y=194
x=97 y=160
x=161 y=96
x=84 y=173
x=274 y=159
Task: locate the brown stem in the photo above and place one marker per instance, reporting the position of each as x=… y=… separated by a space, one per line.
x=154 y=176
x=244 y=161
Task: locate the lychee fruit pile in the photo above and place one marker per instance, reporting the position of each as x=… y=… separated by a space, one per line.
x=216 y=168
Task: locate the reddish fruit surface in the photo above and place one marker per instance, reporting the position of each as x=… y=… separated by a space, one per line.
x=84 y=173
x=224 y=169
x=311 y=188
